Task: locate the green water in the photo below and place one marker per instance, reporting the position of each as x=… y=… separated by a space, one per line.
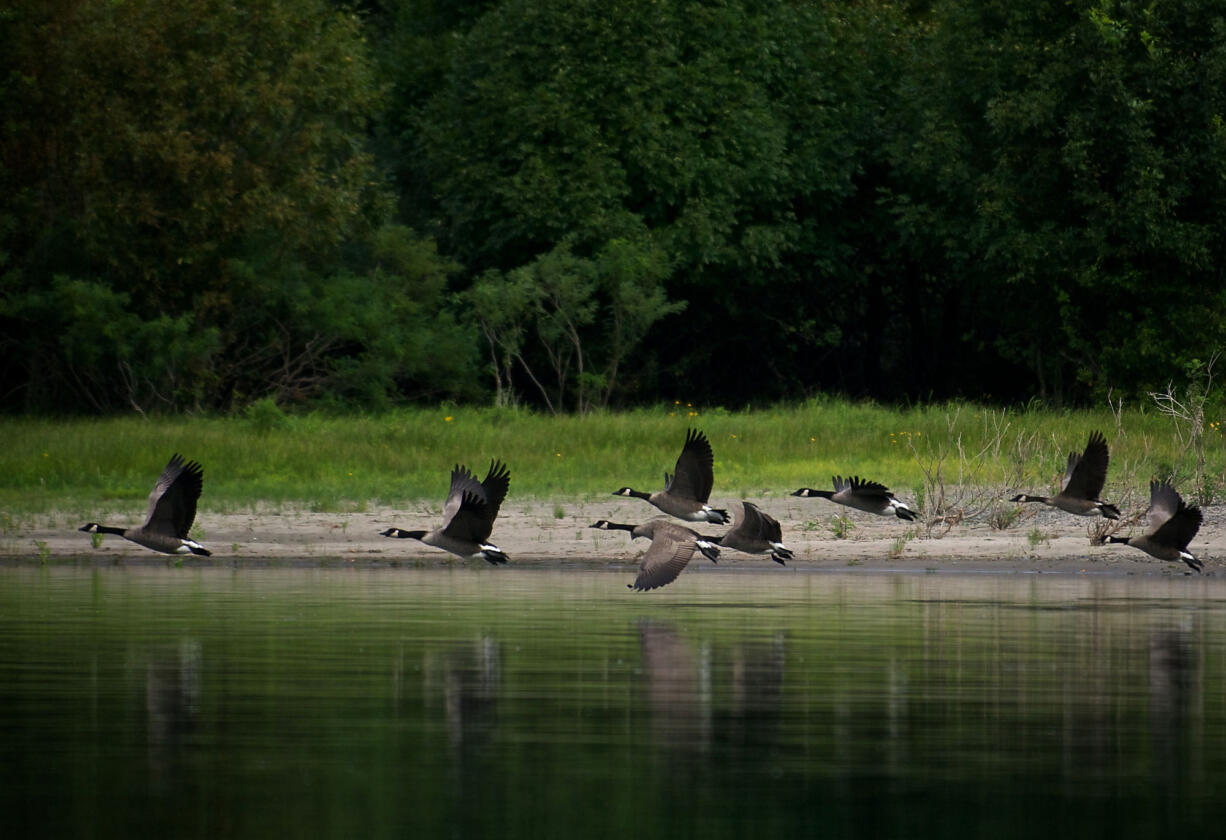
x=526 y=704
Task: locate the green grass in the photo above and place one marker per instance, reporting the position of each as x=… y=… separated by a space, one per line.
x=348 y=463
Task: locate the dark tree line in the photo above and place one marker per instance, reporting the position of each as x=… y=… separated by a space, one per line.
x=574 y=203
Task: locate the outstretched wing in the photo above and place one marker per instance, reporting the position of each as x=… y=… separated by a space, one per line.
x=472 y=519
x=1179 y=529
x=694 y=475
x=462 y=482
x=1085 y=476
x=497 y=482
x=757 y=524
x=665 y=559
x=172 y=502
x=1171 y=521
x=863 y=488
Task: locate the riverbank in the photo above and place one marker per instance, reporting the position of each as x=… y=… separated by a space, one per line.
x=548 y=533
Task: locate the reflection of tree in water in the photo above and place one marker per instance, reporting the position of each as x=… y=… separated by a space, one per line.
x=172 y=703
x=1176 y=694
x=715 y=713
x=688 y=712
x=752 y=719
x=678 y=688
x=467 y=678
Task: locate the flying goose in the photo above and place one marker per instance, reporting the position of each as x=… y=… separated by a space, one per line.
x=755 y=533
x=1082 y=483
x=861 y=494
x=172 y=509
x=686 y=492
x=468 y=516
x=1172 y=525
x=672 y=546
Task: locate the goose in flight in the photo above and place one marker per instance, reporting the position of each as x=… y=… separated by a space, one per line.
x=755 y=532
x=861 y=494
x=1172 y=525
x=468 y=515
x=672 y=546
x=1082 y=483
x=172 y=509
x=688 y=489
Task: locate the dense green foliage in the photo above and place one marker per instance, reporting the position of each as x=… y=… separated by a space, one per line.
x=580 y=204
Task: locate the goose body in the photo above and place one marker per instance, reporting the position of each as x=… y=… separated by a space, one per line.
x=172 y=510
x=1172 y=525
x=1082 y=483
x=755 y=532
x=672 y=546
x=861 y=494
x=468 y=515
x=687 y=491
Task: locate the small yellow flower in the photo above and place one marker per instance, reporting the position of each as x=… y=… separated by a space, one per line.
x=558 y=454
x=45 y=455
x=448 y=419
x=812 y=440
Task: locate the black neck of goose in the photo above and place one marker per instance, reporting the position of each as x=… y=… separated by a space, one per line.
x=1123 y=540
x=810 y=493
x=614 y=526
x=106 y=529
x=638 y=494
x=404 y=535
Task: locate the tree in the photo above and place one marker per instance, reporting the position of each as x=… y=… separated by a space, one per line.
x=586 y=316
x=151 y=150
x=713 y=129
x=1098 y=216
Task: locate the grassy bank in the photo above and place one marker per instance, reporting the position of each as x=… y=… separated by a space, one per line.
x=332 y=463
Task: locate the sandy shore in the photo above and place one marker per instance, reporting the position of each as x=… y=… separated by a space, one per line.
x=557 y=534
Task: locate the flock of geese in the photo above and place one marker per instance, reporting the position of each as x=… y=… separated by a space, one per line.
x=472 y=506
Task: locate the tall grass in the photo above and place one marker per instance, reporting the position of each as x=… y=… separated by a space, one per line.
x=336 y=463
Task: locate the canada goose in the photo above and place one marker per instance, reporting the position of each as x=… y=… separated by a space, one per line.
x=672 y=546
x=468 y=516
x=172 y=509
x=686 y=492
x=1172 y=525
x=861 y=494
x=755 y=533
x=1083 y=481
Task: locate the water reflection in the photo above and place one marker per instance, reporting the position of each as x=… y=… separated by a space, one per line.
x=370 y=706
x=467 y=679
x=1176 y=698
x=678 y=686
x=173 y=690
x=753 y=716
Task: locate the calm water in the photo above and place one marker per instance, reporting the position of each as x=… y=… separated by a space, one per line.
x=528 y=704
